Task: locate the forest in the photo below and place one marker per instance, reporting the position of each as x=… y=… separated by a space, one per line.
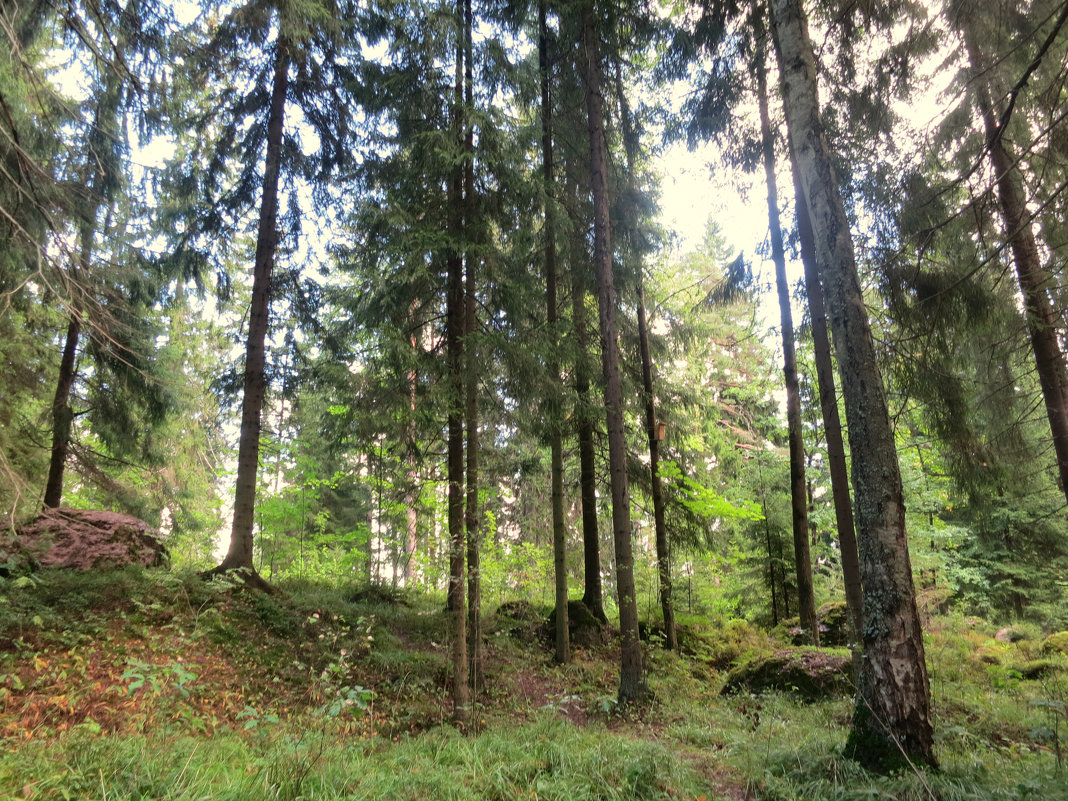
x=462 y=474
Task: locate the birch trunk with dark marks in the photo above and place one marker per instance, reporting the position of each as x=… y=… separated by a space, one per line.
x=892 y=717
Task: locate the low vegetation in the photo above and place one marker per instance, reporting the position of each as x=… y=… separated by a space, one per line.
x=155 y=684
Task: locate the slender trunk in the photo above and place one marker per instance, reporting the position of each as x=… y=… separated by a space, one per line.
x=1034 y=280
x=832 y=422
x=471 y=513
x=663 y=550
x=239 y=555
x=411 y=495
x=892 y=718
x=62 y=414
x=632 y=686
x=806 y=597
x=454 y=325
x=552 y=406
x=592 y=584
x=771 y=573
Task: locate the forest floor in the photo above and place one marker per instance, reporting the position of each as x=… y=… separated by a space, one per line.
x=154 y=684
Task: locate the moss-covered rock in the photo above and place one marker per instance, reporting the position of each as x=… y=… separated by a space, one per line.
x=1056 y=643
x=520 y=619
x=811 y=674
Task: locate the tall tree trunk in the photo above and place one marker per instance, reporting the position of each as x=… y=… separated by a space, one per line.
x=471 y=512
x=411 y=492
x=454 y=328
x=632 y=686
x=663 y=549
x=832 y=422
x=552 y=406
x=592 y=583
x=239 y=555
x=806 y=597
x=1034 y=280
x=892 y=718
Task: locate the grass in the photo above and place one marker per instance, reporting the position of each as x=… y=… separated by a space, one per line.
x=145 y=684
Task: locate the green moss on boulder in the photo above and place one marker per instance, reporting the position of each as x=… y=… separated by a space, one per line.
x=811 y=674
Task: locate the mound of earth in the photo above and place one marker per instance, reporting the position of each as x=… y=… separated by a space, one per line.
x=809 y=673
x=584 y=629
x=520 y=619
x=1056 y=643
x=835 y=626
x=83 y=539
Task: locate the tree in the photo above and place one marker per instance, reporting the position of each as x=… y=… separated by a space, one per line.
x=303 y=35
x=892 y=717
x=1043 y=321
x=552 y=400
x=632 y=686
x=798 y=488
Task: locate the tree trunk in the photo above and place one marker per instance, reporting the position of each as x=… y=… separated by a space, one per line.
x=892 y=718
x=552 y=406
x=411 y=492
x=832 y=422
x=62 y=414
x=806 y=598
x=592 y=592
x=239 y=555
x=632 y=686
x=1034 y=280
x=471 y=513
x=454 y=328
x=663 y=547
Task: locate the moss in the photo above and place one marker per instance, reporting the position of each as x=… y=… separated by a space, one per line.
x=1056 y=643
x=1037 y=669
x=811 y=674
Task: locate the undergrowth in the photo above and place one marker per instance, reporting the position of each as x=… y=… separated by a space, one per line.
x=145 y=684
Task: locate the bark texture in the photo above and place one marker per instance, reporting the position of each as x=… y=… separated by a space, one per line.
x=806 y=598
x=832 y=422
x=563 y=646
x=663 y=546
x=592 y=587
x=239 y=555
x=892 y=719
x=632 y=686
x=454 y=332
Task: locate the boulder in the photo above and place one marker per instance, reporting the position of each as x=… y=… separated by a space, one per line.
x=1010 y=634
x=83 y=539
x=809 y=673
x=520 y=619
